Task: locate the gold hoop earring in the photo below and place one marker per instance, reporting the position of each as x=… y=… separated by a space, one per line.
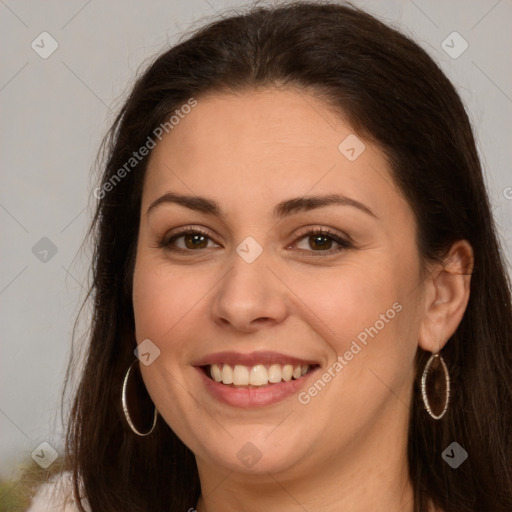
x=124 y=402
x=424 y=386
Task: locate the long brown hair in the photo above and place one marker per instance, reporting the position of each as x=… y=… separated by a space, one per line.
x=393 y=94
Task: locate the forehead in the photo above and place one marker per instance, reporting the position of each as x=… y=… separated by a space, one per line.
x=265 y=143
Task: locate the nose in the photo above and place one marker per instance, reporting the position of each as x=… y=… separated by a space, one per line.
x=250 y=296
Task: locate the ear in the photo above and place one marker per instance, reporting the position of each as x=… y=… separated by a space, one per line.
x=446 y=296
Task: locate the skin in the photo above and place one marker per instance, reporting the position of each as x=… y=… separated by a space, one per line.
x=346 y=448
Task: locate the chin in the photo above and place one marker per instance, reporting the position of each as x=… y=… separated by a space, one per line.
x=253 y=451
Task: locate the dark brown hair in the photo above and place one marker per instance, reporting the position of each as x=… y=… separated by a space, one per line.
x=394 y=95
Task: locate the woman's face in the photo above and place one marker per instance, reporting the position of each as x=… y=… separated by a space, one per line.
x=260 y=293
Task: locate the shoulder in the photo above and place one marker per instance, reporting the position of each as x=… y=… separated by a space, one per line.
x=56 y=495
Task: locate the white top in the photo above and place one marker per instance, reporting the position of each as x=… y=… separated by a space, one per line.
x=56 y=495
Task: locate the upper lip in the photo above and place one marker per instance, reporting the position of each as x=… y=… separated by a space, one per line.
x=252 y=359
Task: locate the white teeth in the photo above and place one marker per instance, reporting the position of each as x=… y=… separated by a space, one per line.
x=275 y=373
x=227 y=374
x=257 y=375
x=216 y=373
x=240 y=375
x=287 y=372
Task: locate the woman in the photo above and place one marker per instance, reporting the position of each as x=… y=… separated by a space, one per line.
x=299 y=298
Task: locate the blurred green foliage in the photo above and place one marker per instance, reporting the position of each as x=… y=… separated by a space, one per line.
x=16 y=495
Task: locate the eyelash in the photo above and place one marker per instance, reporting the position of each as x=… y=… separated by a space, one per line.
x=166 y=241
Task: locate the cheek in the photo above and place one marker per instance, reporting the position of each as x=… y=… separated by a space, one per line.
x=161 y=297
x=369 y=312
x=164 y=302
x=352 y=298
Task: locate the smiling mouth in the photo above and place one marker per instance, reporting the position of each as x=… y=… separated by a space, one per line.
x=259 y=375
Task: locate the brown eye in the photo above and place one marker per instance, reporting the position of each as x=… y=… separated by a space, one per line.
x=186 y=240
x=322 y=241
x=195 y=240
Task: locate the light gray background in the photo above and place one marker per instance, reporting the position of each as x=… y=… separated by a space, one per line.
x=55 y=111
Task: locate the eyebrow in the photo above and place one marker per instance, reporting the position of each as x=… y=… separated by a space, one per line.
x=282 y=209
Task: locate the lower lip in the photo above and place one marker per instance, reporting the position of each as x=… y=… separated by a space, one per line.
x=256 y=396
